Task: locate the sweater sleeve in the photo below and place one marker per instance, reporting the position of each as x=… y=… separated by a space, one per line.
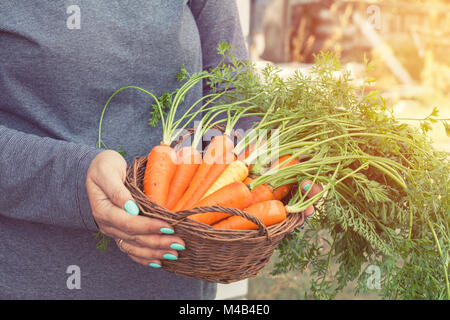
x=43 y=180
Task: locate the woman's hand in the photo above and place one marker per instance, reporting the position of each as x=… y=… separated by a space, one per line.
x=144 y=240
x=311 y=190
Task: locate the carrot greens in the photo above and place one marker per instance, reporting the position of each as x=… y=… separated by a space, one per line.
x=385 y=198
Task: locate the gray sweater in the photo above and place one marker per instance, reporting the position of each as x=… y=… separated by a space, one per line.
x=58 y=66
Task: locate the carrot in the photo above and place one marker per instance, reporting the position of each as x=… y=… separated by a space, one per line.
x=235 y=195
x=236 y=171
x=243 y=155
x=218 y=146
x=269 y=212
x=222 y=162
x=282 y=191
x=160 y=168
x=262 y=193
x=188 y=161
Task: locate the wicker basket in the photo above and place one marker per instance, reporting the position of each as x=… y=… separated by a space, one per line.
x=213 y=255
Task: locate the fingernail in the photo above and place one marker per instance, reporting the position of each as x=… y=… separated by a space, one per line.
x=169 y=256
x=166 y=230
x=177 y=246
x=307 y=187
x=154 y=265
x=131 y=207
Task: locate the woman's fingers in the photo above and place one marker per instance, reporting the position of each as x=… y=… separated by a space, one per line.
x=107 y=172
x=146 y=254
x=150 y=262
x=310 y=189
x=309 y=211
x=154 y=263
x=135 y=225
x=148 y=249
x=111 y=202
x=155 y=241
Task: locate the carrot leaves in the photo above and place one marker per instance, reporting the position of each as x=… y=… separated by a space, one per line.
x=387 y=199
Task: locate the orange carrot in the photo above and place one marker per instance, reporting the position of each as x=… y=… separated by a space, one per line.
x=188 y=161
x=222 y=162
x=218 y=146
x=262 y=193
x=243 y=155
x=235 y=195
x=282 y=191
x=160 y=168
x=269 y=212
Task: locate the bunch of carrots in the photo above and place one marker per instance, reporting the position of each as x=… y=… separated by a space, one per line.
x=186 y=178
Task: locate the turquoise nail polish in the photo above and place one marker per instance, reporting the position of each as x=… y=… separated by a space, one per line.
x=307 y=187
x=154 y=265
x=131 y=207
x=166 y=230
x=177 y=246
x=169 y=256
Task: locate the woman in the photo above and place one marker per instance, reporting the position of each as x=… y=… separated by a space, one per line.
x=58 y=66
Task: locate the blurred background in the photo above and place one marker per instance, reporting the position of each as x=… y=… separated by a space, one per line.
x=408 y=43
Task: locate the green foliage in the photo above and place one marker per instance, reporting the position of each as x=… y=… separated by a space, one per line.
x=182 y=75
x=387 y=199
x=121 y=151
x=102 y=241
x=165 y=101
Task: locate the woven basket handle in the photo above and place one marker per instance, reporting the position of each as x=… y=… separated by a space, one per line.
x=261 y=227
